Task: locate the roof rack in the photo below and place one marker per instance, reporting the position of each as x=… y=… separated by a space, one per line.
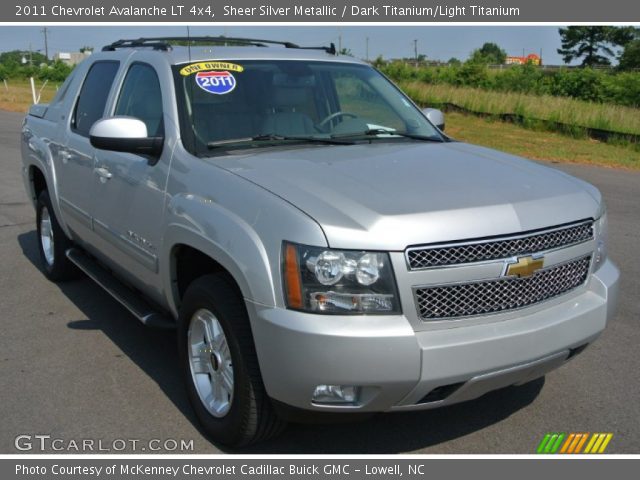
x=165 y=43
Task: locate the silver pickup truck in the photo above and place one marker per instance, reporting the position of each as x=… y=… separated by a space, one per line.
x=320 y=244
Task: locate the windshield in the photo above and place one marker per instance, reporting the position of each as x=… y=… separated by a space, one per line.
x=262 y=102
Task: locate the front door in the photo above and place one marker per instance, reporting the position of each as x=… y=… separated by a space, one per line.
x=129 y=189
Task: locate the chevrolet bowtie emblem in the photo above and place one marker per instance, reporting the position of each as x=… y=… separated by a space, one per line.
x=524 y=267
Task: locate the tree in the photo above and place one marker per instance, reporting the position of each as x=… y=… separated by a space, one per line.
x=630 y=57
x=454 y=61
x=379 y=62
x=345 y=51
x=488 y=54
x=57 y=72
x=86 y=49
x=594 y=45
x=35 y=58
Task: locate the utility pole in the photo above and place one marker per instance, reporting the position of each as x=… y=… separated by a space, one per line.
x=367 y=50
x=46 y=43
x=415 y=50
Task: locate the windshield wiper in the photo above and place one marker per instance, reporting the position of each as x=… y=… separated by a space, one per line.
x=374 y=132
x=272 y=137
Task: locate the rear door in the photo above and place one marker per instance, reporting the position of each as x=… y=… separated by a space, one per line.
x=75 y=157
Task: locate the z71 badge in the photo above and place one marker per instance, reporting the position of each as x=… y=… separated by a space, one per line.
x=216 y=82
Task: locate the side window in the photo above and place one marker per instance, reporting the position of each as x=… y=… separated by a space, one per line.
x=93 y=96
x=141 y=98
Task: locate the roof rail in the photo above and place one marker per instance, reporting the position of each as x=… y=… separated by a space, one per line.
x=165 y=43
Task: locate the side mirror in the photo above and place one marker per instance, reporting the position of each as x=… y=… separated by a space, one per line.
x=125 y=134
x=435 y=116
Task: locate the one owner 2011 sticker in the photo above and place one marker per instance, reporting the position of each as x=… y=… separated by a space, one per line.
x=216 y=82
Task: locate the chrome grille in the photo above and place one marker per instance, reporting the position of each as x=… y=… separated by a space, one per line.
x=498 y=248
x=502 y=294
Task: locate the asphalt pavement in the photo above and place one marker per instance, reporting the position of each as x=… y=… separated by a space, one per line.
x=77 y=367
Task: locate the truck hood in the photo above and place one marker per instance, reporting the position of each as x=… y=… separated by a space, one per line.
x=387 y=196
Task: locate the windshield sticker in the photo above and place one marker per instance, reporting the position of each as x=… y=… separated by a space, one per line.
x=216 y=82
x=205 y=66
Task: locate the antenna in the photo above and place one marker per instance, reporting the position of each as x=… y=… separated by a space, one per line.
x=189 y=43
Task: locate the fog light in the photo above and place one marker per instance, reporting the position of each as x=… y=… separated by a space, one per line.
x=336 y=394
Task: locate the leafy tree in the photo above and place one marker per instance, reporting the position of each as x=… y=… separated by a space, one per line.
x=630 y=57
x=488 y=54
x=86 y=48
x=473 y=75
x=621 y=36
x=11 y=68
x=56 y=72
x=379 y=62
x=593 y=44
x=345 y=51
x=17 y=55
x=454 y=61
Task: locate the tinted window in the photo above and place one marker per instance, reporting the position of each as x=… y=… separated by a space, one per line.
x=141 y=98
x=93 y=96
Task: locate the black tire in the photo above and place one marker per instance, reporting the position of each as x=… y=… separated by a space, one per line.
x=56 y=265
x=251 y=417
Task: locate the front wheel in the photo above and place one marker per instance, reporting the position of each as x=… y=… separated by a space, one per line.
x=220 y=366
x=52 y=242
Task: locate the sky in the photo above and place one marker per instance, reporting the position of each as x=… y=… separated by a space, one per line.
x=437 y=42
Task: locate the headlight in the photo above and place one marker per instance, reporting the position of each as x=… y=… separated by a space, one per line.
x=602 y=234
x=324 y=280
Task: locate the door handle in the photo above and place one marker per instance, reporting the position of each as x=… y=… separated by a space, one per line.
x=65 y=156
x=103 y=173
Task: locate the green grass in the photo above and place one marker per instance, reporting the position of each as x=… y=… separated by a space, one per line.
x=548 y=146
x=559 y=109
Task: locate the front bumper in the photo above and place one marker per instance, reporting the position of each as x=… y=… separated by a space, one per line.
x=398 y=367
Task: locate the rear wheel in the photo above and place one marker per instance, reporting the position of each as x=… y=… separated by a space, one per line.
x=220 y=366
x=52 y=242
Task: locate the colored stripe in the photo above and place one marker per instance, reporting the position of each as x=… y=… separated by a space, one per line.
x=550 y=443
x=607 y=439
x=574 y=443
x=599 y=441
x=213 y=74
x=591 y=442
x=567 y=442
x=584 y=439
x=555 y=447
x=544 y=441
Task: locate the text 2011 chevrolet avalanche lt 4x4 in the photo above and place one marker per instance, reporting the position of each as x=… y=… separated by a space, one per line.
x=319 y=242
